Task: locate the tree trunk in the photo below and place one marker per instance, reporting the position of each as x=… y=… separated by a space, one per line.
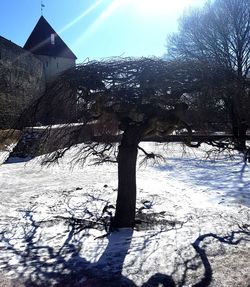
x=126 y=199
x=239 y=125
x=239 y=136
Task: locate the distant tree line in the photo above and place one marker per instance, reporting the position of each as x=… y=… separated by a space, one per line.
x=219 y=34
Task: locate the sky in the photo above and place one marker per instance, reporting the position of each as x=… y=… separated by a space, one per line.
x=97 y=29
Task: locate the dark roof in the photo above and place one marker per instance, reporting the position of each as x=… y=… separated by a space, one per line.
x=10 y=44
x=39 y=42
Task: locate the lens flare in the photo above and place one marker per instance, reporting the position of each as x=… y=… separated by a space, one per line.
x=110 y=9
x=81 y=16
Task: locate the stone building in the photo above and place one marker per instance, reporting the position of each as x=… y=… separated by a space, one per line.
x=25 y=72
x=22 y=79
x=46 y=44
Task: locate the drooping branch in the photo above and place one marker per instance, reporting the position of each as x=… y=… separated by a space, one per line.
x=148 y=155
x=98 y=101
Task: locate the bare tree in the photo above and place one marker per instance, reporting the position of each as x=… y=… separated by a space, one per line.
x=128 y=101
x=220 y=33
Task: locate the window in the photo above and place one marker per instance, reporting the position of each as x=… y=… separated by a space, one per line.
x=52 y=39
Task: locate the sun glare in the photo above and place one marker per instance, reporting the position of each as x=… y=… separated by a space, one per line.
x=157 y=7
x=81 y=16
x=115 y=4
x=143 y=9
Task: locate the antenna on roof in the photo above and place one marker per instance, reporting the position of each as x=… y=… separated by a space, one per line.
x=42 y=6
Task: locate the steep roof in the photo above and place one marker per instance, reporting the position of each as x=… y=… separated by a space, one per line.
x=42 y=42
x=11 y=45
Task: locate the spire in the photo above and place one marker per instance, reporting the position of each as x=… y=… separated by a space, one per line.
x=42 y=6
x=43 y=40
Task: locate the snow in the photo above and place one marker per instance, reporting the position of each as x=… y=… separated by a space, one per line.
x=191 y=195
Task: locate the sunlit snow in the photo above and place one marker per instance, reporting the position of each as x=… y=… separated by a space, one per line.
x=191 y=193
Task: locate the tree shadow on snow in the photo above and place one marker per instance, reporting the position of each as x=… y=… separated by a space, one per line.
x=38 y=264
x=201 y=258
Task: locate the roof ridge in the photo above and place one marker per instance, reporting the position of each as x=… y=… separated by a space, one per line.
x=40 y=41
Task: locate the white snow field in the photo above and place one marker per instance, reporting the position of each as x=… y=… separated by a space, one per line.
x=195 y=227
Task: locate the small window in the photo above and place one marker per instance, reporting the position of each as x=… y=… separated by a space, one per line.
x=57 y=66
x=47 y=63
x=52 y=39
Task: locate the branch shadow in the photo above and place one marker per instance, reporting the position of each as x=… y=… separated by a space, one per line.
x=201 y=259
x=38 y=264
x=43 y=265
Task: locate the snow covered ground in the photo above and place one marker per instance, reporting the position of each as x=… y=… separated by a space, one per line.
x=200 y=208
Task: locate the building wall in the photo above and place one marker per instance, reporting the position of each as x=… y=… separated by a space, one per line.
x=53 y=66
x=22 y=80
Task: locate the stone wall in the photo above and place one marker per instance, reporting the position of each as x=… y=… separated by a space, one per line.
x=53 y=66
x=35 y=141
x=22 y=80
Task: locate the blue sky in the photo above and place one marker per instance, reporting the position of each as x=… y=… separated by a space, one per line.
x=97 y=29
